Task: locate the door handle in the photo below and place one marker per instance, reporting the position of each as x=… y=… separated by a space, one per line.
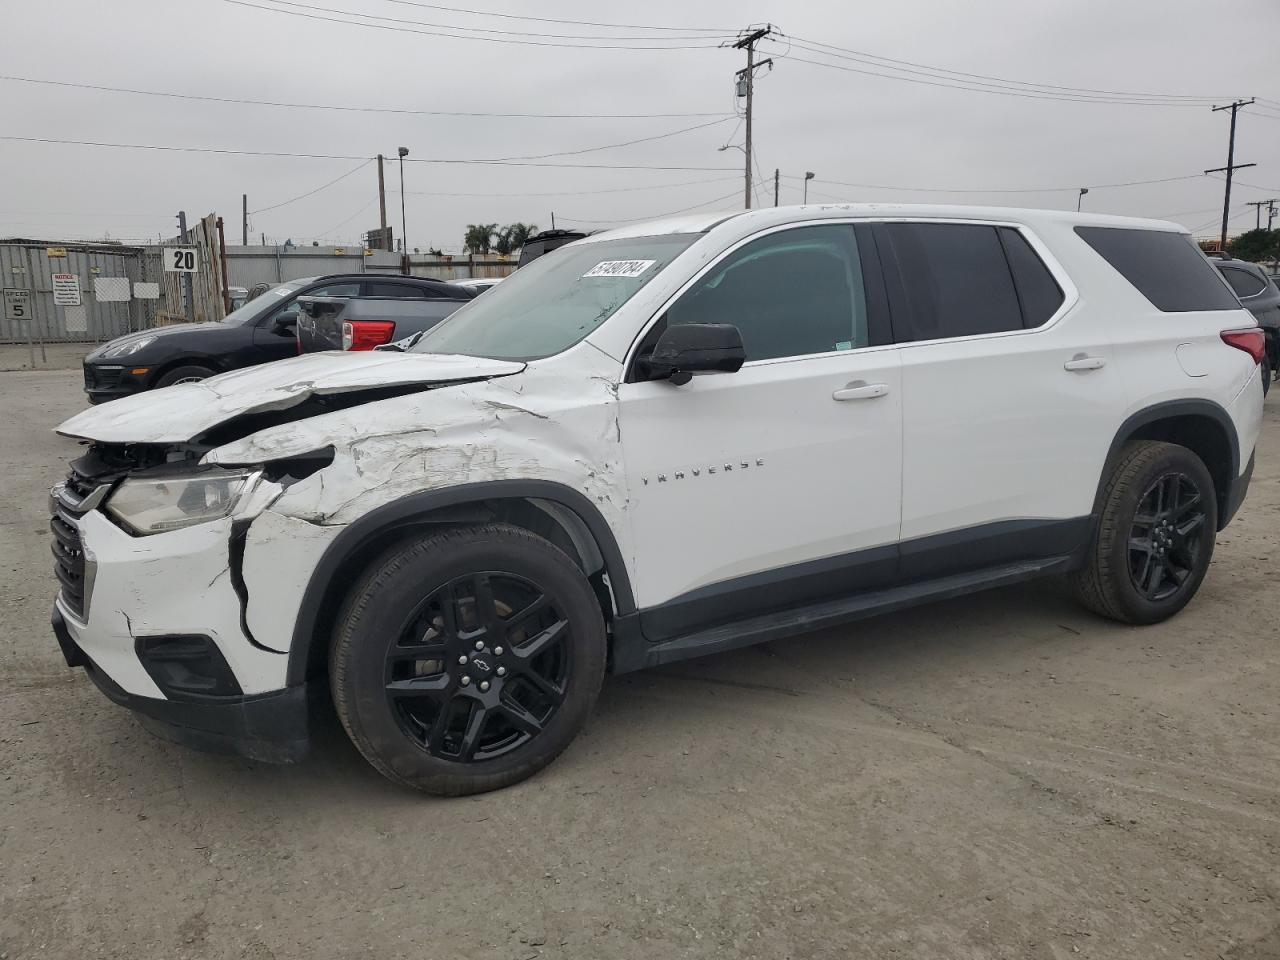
x=1081 y=362
x=860 y=390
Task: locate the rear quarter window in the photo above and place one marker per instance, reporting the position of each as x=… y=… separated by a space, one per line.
x=1166 y=268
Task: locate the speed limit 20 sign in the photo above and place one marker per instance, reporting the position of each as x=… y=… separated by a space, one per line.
x=180 y=259
x=17 y=303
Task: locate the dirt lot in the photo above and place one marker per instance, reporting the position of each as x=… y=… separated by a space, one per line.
x=1001 y=776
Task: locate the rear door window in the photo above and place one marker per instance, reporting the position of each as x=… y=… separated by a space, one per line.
x=1166 y=268
x=954 y=281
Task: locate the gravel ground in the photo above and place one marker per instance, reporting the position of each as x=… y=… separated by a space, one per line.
x=999 y=776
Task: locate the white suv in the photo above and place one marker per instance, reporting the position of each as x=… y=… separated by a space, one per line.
x=668 y=440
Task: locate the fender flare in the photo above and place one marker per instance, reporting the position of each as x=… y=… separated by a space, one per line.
x=1164 y=411
x=362 y=531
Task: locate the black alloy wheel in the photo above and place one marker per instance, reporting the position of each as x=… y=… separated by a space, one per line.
x=467 y=659
x=479 y=667
x=1165 y=538
x=1154 y=536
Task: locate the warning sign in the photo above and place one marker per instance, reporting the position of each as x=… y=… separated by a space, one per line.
x=66 y=289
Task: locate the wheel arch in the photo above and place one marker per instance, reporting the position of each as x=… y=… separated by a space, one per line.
x=217 y=366
x=1202 y=426
x=559 y=513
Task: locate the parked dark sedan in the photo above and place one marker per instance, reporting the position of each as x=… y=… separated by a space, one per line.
x=263 y=329
x=1259 y=295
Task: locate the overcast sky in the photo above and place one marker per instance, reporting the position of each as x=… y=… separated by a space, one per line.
x=849 y=127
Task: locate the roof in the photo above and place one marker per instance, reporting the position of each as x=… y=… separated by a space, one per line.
x=766 y=217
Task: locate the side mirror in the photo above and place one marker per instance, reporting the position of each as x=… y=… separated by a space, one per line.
x=285 y=324
x=689 y=348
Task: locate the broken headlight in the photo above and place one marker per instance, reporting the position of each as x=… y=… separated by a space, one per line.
x=147 y=505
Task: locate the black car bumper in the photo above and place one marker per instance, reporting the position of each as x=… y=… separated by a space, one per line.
x=272 y=727
x=106 y=381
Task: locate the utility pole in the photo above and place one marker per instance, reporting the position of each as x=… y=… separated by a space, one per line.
x=775 y=186
x=1257 y=212
x=404 y=230
x=1271 y=212
x=1231 y=166
x=382 y=202
x=189 y=300
x=746 y=87
x=244 y=219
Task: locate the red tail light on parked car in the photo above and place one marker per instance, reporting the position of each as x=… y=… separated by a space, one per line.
x=1251 y=340
x=366 y=334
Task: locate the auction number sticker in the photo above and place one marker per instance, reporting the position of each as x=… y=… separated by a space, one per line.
x=619 y=268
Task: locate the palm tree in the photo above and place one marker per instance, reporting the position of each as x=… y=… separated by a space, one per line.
x=520 y=233
x=513 y=236
x=479 y=237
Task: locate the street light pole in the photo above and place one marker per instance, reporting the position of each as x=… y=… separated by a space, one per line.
x=808 y=175
x=1080 y=198
x=404 y=233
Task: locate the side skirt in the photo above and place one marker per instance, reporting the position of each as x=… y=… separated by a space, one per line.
x=632 y=652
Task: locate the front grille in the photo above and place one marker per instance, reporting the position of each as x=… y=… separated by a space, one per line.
x=68 y=558
x=71 y=500
x=101 y=378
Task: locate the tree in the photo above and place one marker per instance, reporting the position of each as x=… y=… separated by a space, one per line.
x=513 y=236
x=1256 y=245
x=479 y=237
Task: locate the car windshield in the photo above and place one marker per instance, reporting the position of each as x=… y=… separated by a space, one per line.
x=548 y=306
x=266 y=301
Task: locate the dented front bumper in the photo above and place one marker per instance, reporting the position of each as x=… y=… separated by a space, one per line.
x=272 y=727
x=165 y=625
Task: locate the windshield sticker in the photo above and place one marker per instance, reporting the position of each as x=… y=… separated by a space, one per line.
x=619 y=268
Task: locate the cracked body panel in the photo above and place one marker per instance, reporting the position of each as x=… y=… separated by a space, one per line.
x=175 y=583
x=538 y=426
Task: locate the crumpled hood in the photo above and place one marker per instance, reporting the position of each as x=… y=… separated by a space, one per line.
x=179 y=413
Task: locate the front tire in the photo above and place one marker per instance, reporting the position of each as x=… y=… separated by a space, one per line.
x=1155 y=536
x=467 y=660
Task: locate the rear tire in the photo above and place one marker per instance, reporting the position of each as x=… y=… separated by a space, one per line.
x=187 y=373
x=1155 y=536
x=467 y=660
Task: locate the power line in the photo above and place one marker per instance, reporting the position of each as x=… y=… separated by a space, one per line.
x=577 y=23
x=1099 y=186
x=571 y=193
x=875 y=60
x=337 y=156
x=466 y=29
x=625 y=143
x=338 y=226
x=655 y=216
x=302 y=196
x=969 y=88
x=327 y=106
x=398 y=28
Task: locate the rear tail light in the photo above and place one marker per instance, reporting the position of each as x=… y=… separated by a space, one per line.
x=1252 y=341
x=366 y=334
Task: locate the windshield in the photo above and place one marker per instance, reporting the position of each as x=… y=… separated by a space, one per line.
x=554 y=302
x=267 y=301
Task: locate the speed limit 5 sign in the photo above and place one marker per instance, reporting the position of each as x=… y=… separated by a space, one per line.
x=180 y=260
x=17 y=304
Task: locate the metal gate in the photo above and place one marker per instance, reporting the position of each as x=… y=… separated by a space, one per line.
x=106 y=275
